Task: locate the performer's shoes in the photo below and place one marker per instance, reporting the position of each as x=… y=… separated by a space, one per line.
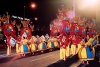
x=32 y=53
x=87 y=63
x=64 y=59
x=24 y=55
x=8 y=55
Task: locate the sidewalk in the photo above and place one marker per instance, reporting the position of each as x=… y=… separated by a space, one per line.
x=3 y=53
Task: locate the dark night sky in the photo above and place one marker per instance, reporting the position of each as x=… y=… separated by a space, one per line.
x=45 y=10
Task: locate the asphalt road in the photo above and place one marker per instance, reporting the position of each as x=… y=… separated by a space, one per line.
x=39 y=60
x=47 y=59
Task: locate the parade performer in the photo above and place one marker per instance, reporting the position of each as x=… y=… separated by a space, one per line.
x=67 y=46
x=90 y=32
x=63 y=48
x=76 y=29
x=72 y=29
x=24 y=47
x=10 y=43
x=74 y=45
x=8 y=46
x=80 y=43
x=42 y=45
x=46 y=37
x=70 y=43
x=9 y=32
x=32 y=45
x=18 y=44
x=66 y=27
x=86 y=52
x=82 y=30
x=55 y=42
x=49 y=43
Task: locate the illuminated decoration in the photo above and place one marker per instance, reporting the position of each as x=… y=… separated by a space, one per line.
x=14 y=16
x=8 y=30
x=76 y=28
x=26 y=32
x=82 y=30
x=21 y=18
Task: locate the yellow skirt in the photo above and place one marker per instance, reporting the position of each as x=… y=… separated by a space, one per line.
x=85 y=53
x=22 y=49
x=79 y=46
x=41 y=46
x=73 y=49
x=62 y=53
x=32 y=47
x=67 y=51
x=18 y=49
x=56 y=44
x=8 y=50
x=49 y=45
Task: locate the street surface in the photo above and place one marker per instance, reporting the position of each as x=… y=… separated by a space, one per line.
x=47 y=59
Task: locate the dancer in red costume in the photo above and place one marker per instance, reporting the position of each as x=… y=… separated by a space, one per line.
x=74 y=45
x=76 y=29
x=66 y=27
x=82 y=30
x=72 y=29
x=9 y=32
x=63 y=48
x=67 y=46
